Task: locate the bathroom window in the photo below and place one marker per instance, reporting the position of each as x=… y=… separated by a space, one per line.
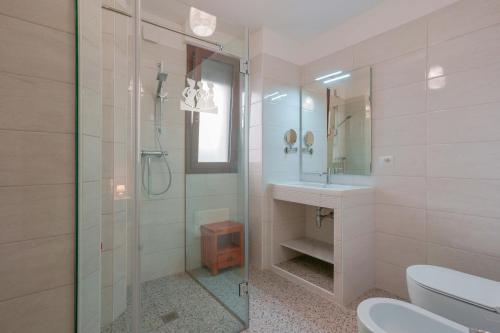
x=212 y=129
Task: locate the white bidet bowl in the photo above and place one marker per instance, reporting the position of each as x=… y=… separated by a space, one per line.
x=385 y=315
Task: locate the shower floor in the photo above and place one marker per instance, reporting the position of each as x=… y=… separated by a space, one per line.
x=178 y=304
x=225 y=286
x=316 y=271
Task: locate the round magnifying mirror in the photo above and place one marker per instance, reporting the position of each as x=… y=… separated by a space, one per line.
x=291 y=137
x=309 y=139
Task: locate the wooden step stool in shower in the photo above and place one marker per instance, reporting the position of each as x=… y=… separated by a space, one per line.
x=222 y=245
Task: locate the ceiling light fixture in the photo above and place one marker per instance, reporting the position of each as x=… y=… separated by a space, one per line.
x=337 y=78
x=327 y=75
x=202 y=23
x=278 y=97
x=271 y=95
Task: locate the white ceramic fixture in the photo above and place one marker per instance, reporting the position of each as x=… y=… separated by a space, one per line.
x=202 y=23
x=466 y=299
x=385 y=315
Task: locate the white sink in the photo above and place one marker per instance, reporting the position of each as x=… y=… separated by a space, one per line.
x=323 y=186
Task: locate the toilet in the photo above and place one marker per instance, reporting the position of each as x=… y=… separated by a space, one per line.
x=463 y=298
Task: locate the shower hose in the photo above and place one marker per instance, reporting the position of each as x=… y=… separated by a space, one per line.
x=148 y=188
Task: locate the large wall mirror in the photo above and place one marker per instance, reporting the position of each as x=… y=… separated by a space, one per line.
x=336 y=129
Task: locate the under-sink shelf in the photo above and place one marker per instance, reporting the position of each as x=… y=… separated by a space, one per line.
x=312 y=247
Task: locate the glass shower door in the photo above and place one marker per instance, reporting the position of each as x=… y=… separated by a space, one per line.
x=215 y=182
x=161 y=161
x=193 y=168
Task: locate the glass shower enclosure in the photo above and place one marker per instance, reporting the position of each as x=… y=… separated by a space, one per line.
x=162 y=243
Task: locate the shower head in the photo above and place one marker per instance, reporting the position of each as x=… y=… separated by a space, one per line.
x=162 y=78
x=343 y=121
x=340 y=124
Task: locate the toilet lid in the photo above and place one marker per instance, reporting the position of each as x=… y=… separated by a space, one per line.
x=468 y=288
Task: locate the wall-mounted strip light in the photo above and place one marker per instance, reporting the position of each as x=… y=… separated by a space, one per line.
x=327 y=76
x=337 y=78
x=271 y=95
x=278 y=97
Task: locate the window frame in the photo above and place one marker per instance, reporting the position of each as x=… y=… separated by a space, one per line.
x=195 y=56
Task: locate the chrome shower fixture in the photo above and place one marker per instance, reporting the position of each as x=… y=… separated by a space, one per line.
x=162 y=78
x=340 y=124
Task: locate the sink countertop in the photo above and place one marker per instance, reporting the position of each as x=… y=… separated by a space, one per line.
x=322 y=188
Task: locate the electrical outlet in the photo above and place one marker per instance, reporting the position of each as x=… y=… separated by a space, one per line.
x=386 y=161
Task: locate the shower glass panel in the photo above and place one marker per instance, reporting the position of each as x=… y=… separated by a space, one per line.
x=199 y=131
x=162 y=170
x=105 y=168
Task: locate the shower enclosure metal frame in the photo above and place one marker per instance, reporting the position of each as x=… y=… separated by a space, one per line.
x=135 y=261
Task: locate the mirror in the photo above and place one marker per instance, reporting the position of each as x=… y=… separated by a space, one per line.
x=337 y=112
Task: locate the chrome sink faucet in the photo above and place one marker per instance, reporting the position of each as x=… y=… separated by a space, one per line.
x=328 y=175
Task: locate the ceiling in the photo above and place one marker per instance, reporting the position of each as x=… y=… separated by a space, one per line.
x=297 y=19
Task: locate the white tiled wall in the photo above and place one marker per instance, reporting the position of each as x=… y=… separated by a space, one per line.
x=438 y=201
x=209 y=198
x=162 y=217
x=269 y=120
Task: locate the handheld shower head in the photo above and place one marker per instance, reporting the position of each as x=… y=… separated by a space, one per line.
x=340 y=124
x=162 y=78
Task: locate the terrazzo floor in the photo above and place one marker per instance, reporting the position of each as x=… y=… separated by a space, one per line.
x=311 y=269
x=187 y=307
x=276 y=306
x=225 y=286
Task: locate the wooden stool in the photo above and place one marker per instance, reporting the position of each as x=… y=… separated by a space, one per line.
x=222 y=245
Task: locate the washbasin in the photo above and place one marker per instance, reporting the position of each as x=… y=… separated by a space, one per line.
x=334 y=187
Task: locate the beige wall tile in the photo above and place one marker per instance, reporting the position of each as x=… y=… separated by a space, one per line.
x=401 y=221
x=466 y=196
x=469 y=124
x=31 y=49
x=399 y=251
x=467 y=88
x=28 y=212
x=398 y=131
x=407 y=38
x=403 y=70
x=31 y=266
x=280 y=70
x=465 y=160
x=464 y=261
x=463 y=17
x=403 y=191
x=57 y=14
x=34 y=104
x=36 y=158
x=357 y=222
x=391 y=278
x=399 y=101
x=476 y=49
x=466 y=232
x=46 y=311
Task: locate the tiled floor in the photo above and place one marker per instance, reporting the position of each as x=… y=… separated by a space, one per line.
x=276 y=305
x=182 y=299
x=225 y=286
